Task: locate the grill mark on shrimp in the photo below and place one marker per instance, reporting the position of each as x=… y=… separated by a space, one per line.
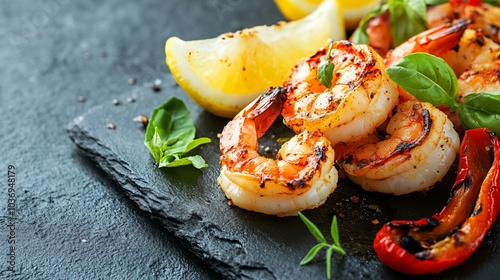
x=301 y=177
x=419 y=139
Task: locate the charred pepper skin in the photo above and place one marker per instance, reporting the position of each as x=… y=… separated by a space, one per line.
x=432 y=245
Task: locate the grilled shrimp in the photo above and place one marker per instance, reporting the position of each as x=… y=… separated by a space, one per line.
x=474 y=58
x=302 y=176
x=438 y=41
x=483 y=17
x=418 y=150
x=476 y=61
x=359 y=100
x=379 y=33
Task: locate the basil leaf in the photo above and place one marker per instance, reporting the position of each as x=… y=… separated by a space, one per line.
x=325 y=72
x=325 y=68
x=426 y=77
x=491 y=2
x=170 y=135
x=481 y=110
x=197 y=142
x=408 y=18
x=197 y=161
x=313 y=229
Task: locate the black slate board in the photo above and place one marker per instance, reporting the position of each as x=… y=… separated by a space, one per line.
x=240 y=244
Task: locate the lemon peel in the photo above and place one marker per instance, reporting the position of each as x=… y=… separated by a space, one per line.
x=352 y=10
x=224 y=74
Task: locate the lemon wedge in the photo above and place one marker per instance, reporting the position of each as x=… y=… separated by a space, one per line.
x=226 y=73
x=297 y=9
x=352 y=10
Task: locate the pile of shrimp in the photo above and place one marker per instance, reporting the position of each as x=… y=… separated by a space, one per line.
x=467 y=38
x=483 y=17
x=381 y=137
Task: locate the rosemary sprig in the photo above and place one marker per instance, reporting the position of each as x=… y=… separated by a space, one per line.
x=330 y=248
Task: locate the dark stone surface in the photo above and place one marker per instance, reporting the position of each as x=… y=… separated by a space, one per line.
x=240 y=244
x=74 y=222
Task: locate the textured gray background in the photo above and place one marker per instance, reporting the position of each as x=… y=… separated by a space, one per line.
x=72 y=221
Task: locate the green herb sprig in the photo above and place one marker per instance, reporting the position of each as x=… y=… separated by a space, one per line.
x=325 y=68
x=431 y=79
x=330 y=248
x=170 y=136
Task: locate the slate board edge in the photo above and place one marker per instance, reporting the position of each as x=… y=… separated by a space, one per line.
x=118 y=170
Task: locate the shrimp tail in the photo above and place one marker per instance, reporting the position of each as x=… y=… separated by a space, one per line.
x=253 y=121
x=436 y=41
x=301 y=177
x=267 y=107
x=446 y=37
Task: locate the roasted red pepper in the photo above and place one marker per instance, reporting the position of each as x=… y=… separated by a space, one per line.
x=445 y=240
x=468 y=2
